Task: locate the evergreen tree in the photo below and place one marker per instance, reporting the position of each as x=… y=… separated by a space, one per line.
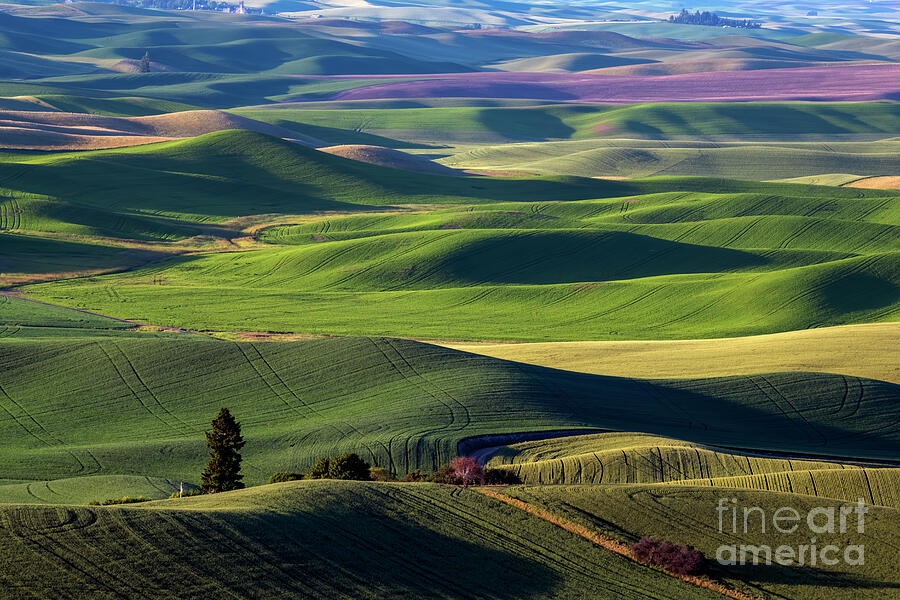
x=144 y=65
x=223 y=472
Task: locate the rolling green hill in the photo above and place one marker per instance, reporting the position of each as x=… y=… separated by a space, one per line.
x=474 y=124
x=144 y=288
x=237 y=173
x=687 y=515
x=207 y=90
x=316 y=540
x=749 y=258
x=138 y=407
x=635 y=159
x=17 y=314
x=114 y=107
x=616 y=458
x=294 y=55
x=865 y=350
x=450 y=123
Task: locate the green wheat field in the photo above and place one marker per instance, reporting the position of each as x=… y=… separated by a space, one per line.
x=639 y=267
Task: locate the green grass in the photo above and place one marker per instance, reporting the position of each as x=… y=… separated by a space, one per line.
x=237 y=173
x=88 y=407
x=30 y=213
x=18 y=312
x=460 y=123
x=616 y=458
x=623 y=158
x=478 y=124
x=81 y=490
x=21 y=319
x=207 y=90
x=688 y=515
x=316 y=539
x=25 y=258
x=663 y=120
x=293 y=54
x=656 y=263
x=115 y=107
x=866 y=350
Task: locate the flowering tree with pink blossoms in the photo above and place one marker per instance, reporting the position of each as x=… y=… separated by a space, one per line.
x=465 y=470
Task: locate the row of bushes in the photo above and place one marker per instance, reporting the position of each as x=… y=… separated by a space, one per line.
x=348 y=467
x=122 y=500
x=462 y=470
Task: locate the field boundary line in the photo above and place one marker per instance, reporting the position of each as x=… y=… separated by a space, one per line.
x=611 y=544
x=19 y=296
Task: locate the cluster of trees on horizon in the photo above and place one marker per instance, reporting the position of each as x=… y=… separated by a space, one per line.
x=214 y=5
x=712 y=20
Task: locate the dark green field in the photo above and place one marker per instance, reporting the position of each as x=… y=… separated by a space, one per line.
x=138 y=407
x=315 y=540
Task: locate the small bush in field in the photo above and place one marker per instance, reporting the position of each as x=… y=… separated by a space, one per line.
x=319 y=470
x=442 y=475
x=415 y=477
x=194 y=492
x=675 y=558
x=381 y=474
x=501 y=477
x=349 y=466
x=283 y=476
x=122 y=500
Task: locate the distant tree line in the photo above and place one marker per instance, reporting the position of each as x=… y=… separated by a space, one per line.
x=185 y=5
x=712 y=20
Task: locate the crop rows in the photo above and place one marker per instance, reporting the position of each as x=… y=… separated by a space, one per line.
x=123 y=406
x=318 y=540
x=687 y=515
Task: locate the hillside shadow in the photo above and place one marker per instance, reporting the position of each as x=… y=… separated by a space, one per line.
x=796 y=412
x=345 y=545
x=567 y=257
x=526 y=125
x=335 y=135
x=860 y=291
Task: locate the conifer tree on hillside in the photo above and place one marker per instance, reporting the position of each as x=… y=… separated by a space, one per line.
x=223 y=472
x=144 y=65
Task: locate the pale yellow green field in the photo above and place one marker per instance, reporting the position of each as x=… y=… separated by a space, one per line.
x=868 y=350
x=616 y=458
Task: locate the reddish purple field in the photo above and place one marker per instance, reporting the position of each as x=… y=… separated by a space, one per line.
x=856 y=82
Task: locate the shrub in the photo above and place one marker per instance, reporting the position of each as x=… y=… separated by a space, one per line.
x=501 y=477
x=381 y=474
x=122 y=500
x=349 y=466
x=283 y=476
x=442 y=475
x=319 y=470
x=675 y=558
x=415 y=477
x=194 y=492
